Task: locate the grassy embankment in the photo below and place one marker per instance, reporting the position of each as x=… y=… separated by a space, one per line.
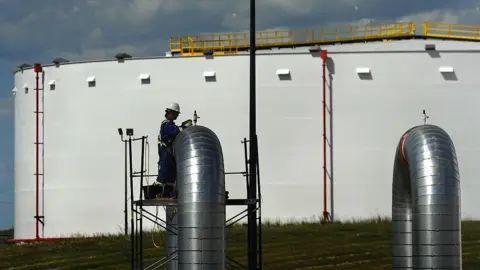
x=348 y=245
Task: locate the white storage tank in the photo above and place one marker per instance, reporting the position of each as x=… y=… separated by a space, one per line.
x=376 y=91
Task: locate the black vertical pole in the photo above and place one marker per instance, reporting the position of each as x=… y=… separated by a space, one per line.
x=132 y=232
x=142 y=165
x=136 y=234
x=247 y=175
x=259 y=193
x=126 y=188
x=252 y=189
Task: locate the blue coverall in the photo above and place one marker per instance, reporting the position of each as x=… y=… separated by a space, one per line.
x=167 y=171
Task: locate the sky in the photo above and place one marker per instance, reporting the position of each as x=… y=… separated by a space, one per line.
x=39 y=31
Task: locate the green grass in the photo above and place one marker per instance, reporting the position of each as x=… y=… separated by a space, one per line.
x=348 y=245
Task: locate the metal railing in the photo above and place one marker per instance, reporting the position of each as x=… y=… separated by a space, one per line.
x=226 y=43
x=451 y=31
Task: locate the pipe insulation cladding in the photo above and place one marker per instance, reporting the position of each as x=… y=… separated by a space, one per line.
x=426 y=217
x=171 y=237
x=201 y=200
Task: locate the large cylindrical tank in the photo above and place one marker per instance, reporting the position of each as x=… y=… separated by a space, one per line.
x=201 y=200
x=84 y=157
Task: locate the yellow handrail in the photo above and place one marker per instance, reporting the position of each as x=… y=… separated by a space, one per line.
x=451 y=31
x=227 y=43
x=232 y=42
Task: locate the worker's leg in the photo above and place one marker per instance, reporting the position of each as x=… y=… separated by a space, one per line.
x=162 y=166
x=170 y=176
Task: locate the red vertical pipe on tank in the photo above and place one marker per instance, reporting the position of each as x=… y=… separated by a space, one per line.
x=323 y=56
x=37 y=68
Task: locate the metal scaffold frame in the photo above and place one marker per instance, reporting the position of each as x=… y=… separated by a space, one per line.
x=138 y=212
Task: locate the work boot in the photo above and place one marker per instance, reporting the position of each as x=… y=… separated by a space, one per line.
x=163 y=195
x=173 y=194
x=173 y=189
x=160 y=187
x=157 y=183
x=168 y=191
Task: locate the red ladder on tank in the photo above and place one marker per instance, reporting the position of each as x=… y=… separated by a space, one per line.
x=39 y=156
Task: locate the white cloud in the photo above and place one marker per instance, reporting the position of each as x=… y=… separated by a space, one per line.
x=6 y=109
x=6 y=183
x=89 y=52
x=95 y=34
x=295 y=8
x=101 y=28
x=462 y=16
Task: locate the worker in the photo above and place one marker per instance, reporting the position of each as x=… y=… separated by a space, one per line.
x=167 y=171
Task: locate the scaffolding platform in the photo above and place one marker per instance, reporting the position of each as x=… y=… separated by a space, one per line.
x=138 y=212
x=157 y=202
x=173 y=202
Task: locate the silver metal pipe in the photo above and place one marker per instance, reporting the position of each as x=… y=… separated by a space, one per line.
x=201 y=200
x=170 y=237
x=426 y=220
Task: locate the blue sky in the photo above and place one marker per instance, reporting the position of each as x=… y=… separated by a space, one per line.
x=38 y=31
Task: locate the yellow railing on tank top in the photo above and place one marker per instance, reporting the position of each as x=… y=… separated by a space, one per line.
x=230 y=43
x=451 y=31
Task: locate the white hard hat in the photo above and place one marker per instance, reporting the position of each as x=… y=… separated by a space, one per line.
x=174 y=107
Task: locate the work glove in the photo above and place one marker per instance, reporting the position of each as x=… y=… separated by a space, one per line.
x=187 y=123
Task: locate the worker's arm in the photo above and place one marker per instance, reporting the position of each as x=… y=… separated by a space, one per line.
x=170 y=129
